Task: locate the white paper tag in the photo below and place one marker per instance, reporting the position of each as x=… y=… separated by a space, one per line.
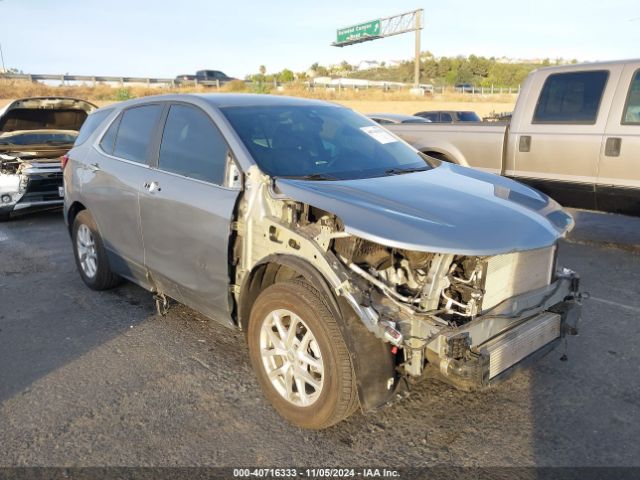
x=61 y=191
x=379 y=134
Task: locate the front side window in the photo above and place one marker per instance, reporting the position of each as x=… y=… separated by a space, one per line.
x=135 y=132
x=632 y=109
x=318 y=142
x=446 y=118
x=571 y=98
x=192 y=146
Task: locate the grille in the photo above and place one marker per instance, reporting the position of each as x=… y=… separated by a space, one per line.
x=520 y=342
x=516 y=273
x=45 y=183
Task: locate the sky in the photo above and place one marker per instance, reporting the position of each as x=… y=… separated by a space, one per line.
x=163 y=39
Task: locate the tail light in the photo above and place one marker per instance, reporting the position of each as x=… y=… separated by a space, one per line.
x=63 y=161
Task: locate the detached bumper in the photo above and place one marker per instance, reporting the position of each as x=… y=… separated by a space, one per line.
x=490 y=348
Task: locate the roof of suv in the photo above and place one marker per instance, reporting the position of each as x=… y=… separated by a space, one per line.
x=221 y=100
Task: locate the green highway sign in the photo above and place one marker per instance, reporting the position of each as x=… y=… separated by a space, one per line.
x=358 y=32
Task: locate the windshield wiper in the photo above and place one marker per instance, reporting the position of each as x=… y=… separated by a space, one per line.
x=400 y=171
x=313 y=176
x=56 y=142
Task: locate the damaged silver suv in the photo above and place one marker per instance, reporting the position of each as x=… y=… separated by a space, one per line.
x=351 y=260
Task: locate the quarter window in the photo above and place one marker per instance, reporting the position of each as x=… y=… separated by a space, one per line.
x=632 y=109
x=109 y=138
x=192 y=146
x=136 y=132
x=572 y=98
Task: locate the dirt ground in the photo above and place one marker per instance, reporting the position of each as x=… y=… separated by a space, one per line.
x=98 y=378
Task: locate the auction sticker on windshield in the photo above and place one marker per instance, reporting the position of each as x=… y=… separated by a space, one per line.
x=379 y=134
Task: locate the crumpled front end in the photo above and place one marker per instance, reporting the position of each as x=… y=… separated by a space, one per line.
x=464 y=319
x=466 y=315
x=29 y=184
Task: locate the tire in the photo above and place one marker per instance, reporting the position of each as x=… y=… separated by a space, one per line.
x=337 y=397
x=97 y=275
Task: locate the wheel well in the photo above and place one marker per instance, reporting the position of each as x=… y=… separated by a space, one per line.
x=275 y=269
x=439 y=155
x=74 y=209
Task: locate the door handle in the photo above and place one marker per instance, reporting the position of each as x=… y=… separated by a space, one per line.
x=612 y=147
x=94 y=167
x=152 y=187
x=524 y=145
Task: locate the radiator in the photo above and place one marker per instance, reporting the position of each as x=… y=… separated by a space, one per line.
x=516 y=273
x=521 y=341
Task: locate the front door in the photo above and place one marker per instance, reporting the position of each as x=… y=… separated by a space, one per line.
x=557 y=144
x=618 y=187
x=186 y=213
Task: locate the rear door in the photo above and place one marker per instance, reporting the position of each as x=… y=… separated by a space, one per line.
x=618 y=188
x=113 y=177
x=186 y=212
x=557 y=144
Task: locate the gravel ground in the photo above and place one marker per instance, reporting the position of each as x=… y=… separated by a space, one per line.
x=92 y=378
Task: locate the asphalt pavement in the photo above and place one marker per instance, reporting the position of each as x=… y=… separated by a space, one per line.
x=91 y=378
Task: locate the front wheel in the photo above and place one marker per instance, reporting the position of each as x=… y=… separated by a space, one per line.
x=90 y=254
x=300 y=356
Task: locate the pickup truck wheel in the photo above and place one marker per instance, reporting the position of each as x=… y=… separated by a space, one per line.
x=90 y=255
x=300 y=356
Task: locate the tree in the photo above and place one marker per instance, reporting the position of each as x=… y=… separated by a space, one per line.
x=286 y=76
x=346 y=67
x=262 y=69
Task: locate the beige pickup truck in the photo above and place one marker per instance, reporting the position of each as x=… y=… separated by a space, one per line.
x=574 y=134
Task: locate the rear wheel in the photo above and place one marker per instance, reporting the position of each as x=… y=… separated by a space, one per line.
x=90 y=255
x=300 y=356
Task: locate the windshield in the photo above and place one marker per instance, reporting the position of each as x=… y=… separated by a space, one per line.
x=39 y=139
x=320 y=143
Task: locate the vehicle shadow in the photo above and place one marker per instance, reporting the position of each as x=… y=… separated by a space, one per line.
x=47 y=315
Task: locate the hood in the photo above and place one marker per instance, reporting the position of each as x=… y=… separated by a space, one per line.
x=449 y=209
x=45 y=113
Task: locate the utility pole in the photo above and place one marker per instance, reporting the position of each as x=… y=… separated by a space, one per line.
x=416 y=68
x=4 y=70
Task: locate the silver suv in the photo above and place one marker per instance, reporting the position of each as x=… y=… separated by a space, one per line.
x=350 y=259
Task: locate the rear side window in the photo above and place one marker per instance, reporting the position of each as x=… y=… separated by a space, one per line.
x=90 y=124
x=192 y=146
x=135 y=132
x=445 y=118
x=571 y=98
x=632 y=109
x=431 y=116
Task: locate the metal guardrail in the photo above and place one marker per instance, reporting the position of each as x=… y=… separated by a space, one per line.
x=346 y=84
x=101 y=78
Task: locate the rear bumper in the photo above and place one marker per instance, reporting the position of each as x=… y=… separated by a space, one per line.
x=454 y=358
